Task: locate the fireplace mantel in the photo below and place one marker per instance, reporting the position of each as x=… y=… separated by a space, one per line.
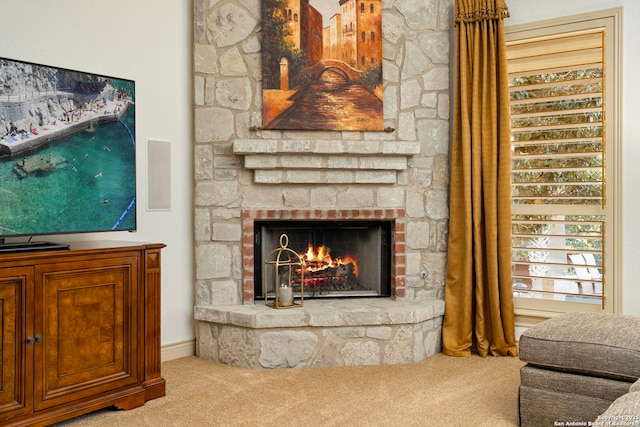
x=325 y=161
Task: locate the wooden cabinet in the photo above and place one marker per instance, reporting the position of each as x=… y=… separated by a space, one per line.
x=79 y=331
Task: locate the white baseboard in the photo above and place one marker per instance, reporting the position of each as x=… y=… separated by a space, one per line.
x=178 y=350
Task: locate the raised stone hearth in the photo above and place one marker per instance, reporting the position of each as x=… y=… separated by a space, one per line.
x=321 y=333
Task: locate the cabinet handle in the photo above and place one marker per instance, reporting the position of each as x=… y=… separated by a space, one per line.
x=34 y=339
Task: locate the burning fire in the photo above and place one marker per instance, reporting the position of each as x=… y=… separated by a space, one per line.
x=318 y=259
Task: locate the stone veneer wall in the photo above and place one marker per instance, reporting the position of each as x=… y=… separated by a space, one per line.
x=239 y=167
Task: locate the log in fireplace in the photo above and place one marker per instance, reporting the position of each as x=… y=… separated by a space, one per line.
x=341 y=258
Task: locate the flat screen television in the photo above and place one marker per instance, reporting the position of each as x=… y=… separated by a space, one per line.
x=67 y=153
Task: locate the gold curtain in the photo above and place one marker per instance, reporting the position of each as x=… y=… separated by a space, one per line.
x=479 y=313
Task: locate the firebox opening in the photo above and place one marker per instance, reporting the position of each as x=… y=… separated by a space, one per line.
x=342 y=258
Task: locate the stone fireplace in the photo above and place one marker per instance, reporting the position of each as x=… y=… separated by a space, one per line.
x=247 y=178
x=373 y=327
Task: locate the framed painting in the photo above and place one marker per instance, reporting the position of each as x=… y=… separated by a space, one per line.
x=322 y=65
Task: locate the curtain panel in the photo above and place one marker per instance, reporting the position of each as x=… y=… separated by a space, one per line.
x=479 y=312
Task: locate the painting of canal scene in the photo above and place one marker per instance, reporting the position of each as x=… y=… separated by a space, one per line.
x=67 y=151
x=322 y=65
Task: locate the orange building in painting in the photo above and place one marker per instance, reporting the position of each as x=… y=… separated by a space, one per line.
x=333 y=38
x=360 y=31
x=305 y=24
x=369 y=24
x=354 y=35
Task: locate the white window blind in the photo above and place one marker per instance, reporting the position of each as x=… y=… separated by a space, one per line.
x=558 y=111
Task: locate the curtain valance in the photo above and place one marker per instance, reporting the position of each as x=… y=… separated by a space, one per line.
x=480 y=10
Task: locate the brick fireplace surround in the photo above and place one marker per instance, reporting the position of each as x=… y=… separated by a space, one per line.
x=243 y=173
x=398 y=239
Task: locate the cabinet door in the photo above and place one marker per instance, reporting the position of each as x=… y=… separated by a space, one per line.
x=16 y=287
x=88 y=320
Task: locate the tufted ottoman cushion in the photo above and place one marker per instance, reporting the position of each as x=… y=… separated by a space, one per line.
x=596 y=344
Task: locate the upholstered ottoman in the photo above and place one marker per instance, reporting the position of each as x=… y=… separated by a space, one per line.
x=624 y=411
x=577 y=365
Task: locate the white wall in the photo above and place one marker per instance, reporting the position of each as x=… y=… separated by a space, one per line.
x=526 y=11
x=149 y=42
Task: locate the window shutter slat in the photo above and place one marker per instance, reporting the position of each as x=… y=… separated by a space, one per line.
x=582 y=66
x=552 y=84
x=553 y=45
x=558 y=98
x=555 y=113
x=557 y=60
x=555 y=141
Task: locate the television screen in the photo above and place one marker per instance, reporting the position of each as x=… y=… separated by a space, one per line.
x=67 y=151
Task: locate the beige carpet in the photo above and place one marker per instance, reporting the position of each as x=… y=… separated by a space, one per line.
x=439 y=391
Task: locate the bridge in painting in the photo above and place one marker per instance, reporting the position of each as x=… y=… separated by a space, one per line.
x=340 y=67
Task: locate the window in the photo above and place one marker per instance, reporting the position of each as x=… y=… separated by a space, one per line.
x=565 y=142
x=371 y=9
x=363 y=36
x=373 y=37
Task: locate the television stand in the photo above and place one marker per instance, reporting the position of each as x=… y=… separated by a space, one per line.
x=31 y=246
x=80 y=331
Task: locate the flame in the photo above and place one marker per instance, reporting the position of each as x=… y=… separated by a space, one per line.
x=318 y=259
